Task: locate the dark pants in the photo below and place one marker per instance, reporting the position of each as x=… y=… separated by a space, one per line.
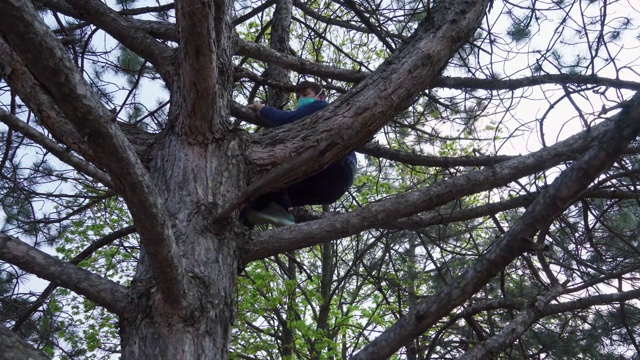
x=323 y=188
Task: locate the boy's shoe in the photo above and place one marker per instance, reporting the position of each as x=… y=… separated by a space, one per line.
x=272 y=214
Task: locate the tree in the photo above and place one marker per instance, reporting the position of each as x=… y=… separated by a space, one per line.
x=458 y=254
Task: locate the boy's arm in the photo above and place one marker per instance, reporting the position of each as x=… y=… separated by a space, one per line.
x=277 y=117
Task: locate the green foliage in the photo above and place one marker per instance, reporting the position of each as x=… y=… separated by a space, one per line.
x=519 y=32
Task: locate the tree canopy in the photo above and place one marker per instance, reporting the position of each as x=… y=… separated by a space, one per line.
x=494 y=212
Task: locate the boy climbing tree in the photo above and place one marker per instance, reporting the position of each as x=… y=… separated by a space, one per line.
x=323 y=188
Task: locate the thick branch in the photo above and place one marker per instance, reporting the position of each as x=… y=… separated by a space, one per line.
x=53 y=68
x=15 y=348
x=21 y=80
x=279 y=41
x=352 y=120
x=113 y=296
x=88 y=251
x=590 y=301
x=404 y=157
x=205 y=68
x=440 y=216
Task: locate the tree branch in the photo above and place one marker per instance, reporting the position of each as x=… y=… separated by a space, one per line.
x=513 y=84
x=113 y=296
x=159 y=55
x=263 y=53
x=15 y=348
x=365 y=20
x=608 y=147
x=51 y=65
x=239 y=20
x=88 y=251
x=279 y=41
x=518 y=326
x=205 y=69
x=351 y=121
x=64 y=155
x=379 y=151
x=21 y=80
x=331 y=21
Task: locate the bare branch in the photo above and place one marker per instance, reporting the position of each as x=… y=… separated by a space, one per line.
x=551 y=79
x=257 y=10
x=608 y=147
x=263 y=53
x=331 y=21
x=367 y=22
x=113 y=296
x=514 y=329
x=118 y=26
x=404 y=157
x=61 y=153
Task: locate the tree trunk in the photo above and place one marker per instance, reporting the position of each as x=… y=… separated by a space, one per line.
x=201 y=328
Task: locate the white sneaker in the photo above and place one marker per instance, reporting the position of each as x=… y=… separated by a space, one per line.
x=272 y=214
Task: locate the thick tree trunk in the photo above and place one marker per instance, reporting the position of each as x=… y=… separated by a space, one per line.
x=200 y=329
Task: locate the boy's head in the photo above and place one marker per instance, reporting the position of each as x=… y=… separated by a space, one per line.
x=306 y=89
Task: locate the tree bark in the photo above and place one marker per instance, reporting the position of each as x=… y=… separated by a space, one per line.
x=280 y=25
x=15 y=348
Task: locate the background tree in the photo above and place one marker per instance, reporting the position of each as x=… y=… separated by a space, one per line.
x=494 y=213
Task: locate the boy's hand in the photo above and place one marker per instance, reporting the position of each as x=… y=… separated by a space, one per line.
x=256 y=107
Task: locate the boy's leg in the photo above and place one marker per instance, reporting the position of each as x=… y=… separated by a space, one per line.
x=324 y=188
x=267 y=209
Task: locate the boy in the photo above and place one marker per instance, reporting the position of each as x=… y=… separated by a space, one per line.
x=322 y=188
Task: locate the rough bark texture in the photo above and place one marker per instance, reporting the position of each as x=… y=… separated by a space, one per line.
x=281 y=22
x=104 y=292
x=14 y=347
x=267 y=243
